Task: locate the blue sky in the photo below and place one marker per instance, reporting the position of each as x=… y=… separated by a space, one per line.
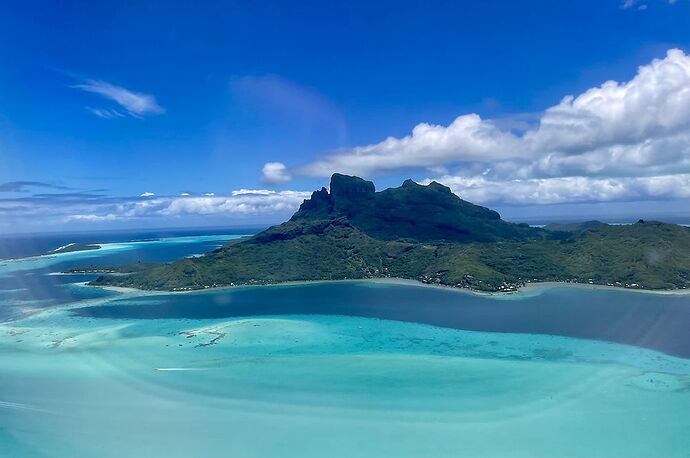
x=125 y=114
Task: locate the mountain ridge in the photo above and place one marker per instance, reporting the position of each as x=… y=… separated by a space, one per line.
x=422 y=213
x=425 y=233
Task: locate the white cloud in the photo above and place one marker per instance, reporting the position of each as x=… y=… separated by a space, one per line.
x=134 y=103
x=241 y=203
x=468 y=138
x=654 y=104
x=568 y=189
x=246 y=202
x=147 y=194
x=260 y=192
x=92 y=218
x=613 y=133
x=274 y=173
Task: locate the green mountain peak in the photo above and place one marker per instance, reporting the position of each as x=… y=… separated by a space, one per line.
x=412 y=211
x=426 y=233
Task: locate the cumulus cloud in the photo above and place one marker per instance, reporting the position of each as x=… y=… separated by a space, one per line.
x=575 y=189
x=275 y=173
x=147 y=194
x=468 y=138
x=134 y=104
x=259 y=192
x=628 y=136
x=246 y=202
x=654 y=104
x=96 y=208
x=91 y=218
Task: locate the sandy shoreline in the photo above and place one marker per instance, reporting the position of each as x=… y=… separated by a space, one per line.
x=526 y=289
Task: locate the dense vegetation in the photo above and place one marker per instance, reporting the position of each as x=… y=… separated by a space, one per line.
x=429 y=234
x=419 y=213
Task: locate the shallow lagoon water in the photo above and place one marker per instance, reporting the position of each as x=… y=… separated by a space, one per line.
x=201 y=376
x=654 y=321
x=30 y=284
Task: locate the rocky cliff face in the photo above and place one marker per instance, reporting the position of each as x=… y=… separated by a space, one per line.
x=345 y=187
x=411 y=211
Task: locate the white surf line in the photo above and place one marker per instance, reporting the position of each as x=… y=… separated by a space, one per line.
x=61 y=247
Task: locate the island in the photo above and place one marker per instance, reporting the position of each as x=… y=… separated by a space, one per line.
x=72 y=247
x=429 y=234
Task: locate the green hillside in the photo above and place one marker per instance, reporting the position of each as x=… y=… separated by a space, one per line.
x=428 y=234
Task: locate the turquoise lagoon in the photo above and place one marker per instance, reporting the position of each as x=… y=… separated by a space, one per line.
x=350 y=369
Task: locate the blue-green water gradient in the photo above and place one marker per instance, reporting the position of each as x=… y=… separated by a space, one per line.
x=354 y=369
